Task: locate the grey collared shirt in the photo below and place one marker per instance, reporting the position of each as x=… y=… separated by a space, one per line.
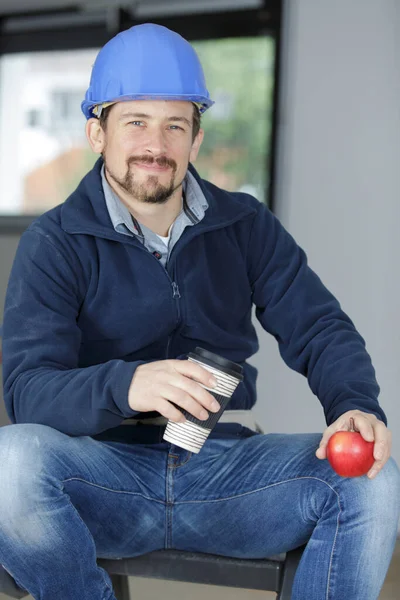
x=194 y=207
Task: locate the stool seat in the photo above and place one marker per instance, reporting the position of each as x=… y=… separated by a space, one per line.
x=274 y=573
x=195 y=567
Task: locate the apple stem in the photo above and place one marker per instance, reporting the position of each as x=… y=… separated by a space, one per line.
x=351 y=424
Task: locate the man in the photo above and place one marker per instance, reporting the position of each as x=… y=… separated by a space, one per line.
x=108 y=294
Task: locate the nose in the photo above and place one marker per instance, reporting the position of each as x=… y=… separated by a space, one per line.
x=156 y=143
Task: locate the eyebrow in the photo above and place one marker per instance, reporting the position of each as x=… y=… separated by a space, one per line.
x=146 y=116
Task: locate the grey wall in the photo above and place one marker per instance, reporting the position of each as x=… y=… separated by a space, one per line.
x=338 y=188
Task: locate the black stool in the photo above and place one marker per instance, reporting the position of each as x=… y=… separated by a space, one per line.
x=273 y=574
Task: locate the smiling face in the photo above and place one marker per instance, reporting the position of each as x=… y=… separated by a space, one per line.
x=147 y=146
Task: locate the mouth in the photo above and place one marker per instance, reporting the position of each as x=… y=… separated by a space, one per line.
x=152 y=167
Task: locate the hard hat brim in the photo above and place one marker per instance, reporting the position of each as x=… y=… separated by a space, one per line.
x=205 y=103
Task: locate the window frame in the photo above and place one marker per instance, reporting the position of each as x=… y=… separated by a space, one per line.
x=71 y=30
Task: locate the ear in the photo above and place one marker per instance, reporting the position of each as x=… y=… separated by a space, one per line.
x=196 y=145
x=95 y=135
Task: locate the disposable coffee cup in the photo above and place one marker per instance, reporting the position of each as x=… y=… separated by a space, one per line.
x=192 y=434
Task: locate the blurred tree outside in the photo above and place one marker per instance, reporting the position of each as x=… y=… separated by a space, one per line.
x=240 y=78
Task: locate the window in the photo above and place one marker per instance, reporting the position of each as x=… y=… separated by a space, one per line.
x=236 y=148
x=43 y=149
x=65 y=112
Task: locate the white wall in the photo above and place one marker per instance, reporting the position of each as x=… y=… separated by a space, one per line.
x=339 y=187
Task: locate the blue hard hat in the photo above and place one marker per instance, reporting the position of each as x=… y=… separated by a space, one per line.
x=146 y=62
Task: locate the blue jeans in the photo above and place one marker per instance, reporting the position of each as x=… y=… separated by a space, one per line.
x=65 y=501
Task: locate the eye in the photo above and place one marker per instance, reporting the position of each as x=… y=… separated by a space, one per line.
x=135 y=123
x=176 y=127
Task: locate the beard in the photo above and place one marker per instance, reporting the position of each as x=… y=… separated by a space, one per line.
x=150 y=191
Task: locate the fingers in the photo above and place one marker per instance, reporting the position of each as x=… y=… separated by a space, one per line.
x=321 y=452
x=185 y=380
x=185 y=389
x=371 y=429
x=187 y=401
x=167 y=410
x=180 y=384
x=177 y=381
x=194 y=371
x=363 y=424
x=382 y=448
x=343 y=423
x=383 y=439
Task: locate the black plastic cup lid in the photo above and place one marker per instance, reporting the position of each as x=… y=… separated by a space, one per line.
x=218 y=362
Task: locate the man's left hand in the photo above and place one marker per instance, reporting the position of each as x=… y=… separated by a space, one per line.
x=371 y=429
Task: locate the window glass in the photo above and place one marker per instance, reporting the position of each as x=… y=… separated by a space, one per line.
x=43 y=149
x=236 y=146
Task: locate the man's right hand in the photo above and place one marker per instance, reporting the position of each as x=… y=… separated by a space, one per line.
x=155 y=386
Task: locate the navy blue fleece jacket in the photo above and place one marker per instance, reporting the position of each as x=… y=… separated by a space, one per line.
x=86 y=305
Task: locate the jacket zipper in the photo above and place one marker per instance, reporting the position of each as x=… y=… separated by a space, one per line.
x=176 y=295
x=175 y=289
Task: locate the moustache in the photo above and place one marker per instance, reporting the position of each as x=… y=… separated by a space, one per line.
x=161 y=161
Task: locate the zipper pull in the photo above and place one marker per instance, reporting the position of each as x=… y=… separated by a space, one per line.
x=175 y=288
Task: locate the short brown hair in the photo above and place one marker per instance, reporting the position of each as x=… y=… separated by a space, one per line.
x=196 y=119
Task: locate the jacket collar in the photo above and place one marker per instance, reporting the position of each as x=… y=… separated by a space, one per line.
x=85 y=211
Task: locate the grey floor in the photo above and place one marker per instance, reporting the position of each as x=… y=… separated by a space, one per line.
x=146 y=589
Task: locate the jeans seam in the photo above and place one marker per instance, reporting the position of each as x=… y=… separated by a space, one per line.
x=328 y=583
x=273 y=485
x=111 y=490
x=103 y=571
x=256 y=490
x=169 y=497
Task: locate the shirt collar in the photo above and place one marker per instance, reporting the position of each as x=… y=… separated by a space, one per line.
x=121 y=218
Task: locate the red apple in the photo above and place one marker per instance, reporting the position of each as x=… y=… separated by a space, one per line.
x=349 y=454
